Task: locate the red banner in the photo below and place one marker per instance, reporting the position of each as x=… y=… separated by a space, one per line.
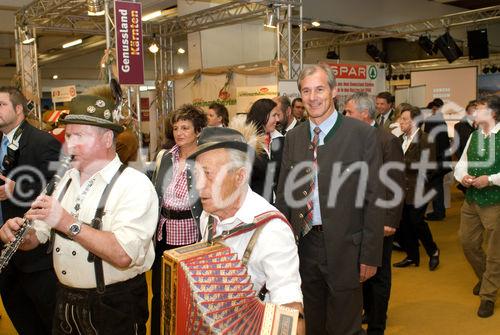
x=129 y=51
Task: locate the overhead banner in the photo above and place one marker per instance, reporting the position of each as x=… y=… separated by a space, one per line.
x=129 y=51
x=62 y=94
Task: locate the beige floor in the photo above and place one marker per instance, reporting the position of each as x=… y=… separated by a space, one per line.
x=425 y=302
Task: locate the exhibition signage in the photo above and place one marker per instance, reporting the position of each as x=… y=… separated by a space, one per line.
x=352 y=78
x=64 y=93
x=129 y=51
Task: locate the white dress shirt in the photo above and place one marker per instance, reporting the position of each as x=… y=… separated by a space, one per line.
x=461 y=169
x=408 y=139
x=131 y=213
x=292 y=124
x=274 y=260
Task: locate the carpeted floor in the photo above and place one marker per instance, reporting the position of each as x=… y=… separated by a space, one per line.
x=425 y=302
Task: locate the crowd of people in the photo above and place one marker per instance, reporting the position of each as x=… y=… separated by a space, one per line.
x=313 y=200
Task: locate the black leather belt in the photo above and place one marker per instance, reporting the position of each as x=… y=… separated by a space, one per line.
x=317 y=228
x=176 y=215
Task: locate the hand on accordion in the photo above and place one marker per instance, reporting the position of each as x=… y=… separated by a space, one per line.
x=301 y=325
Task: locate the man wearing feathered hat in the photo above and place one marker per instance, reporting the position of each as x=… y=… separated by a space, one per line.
x=100 y=231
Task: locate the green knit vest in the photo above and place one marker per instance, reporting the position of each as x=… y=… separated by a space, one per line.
x=483 y=156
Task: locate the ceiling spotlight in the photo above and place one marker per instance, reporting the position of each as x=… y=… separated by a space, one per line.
x=426 y=44
x=408 y=76
x=72 y=43
x=401 y=76
x=394 y=77
x=486 y=70
x=271 y=19
x=153 y=48
x=493 y=69
x=332 y=55
x=180 y=70
x=95 y=7
x=375 y=53
x=181 y=51
x=26 y=37
x=387 y=77
x=55 y=76
x=316 y=24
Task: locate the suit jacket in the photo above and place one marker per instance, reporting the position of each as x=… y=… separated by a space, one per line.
x=392 y=153
x=36 y=150
x=388 y=121
x=463 y=129
x=261 y=168
x=353 y=234
x=413 y=154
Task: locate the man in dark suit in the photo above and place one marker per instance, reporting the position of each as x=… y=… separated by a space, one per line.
x=386 y=115
x=413 y=227
x=377 y=290
x=28 y=283
x=327 y=189
x=298 y=110
x=437 y=130
x=287 y=119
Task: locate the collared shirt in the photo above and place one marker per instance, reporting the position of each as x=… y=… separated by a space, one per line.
x=10 y=135
x=325 y=127
x=462 y=166
x=291 y=126
x=176 y=197
x=408 y=139
x=131 y=214
x=274 y=260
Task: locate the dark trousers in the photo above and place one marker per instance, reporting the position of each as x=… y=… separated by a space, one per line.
x=160 y=247
x=29 y=299
x=327 y=311
x=438 y=201
x=377 y=290
x=121 y=309
x=414 y=228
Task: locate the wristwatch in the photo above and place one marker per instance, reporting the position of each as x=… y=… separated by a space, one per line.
x=490 y=181
x=74 y=229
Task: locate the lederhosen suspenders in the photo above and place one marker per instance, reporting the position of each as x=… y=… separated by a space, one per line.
x=257 y=225
x=96 y=224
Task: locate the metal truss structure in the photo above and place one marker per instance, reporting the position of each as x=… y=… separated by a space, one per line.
x=413 y=28
x=27 y=68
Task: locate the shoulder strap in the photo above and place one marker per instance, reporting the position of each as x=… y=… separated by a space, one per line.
x=59 y=199
x=158 y=160
x=97 y=224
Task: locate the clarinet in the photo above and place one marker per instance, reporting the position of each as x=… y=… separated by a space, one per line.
x=10 y=248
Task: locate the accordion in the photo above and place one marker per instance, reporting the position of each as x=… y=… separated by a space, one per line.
x=207 y=290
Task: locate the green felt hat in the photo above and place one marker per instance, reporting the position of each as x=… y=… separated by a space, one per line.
x=93 y=110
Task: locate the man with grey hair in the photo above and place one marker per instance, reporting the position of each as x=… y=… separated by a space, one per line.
x=241 y=217
x=377 y=290
x=327 y=189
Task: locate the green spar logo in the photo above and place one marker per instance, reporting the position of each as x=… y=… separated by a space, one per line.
x=372 y=72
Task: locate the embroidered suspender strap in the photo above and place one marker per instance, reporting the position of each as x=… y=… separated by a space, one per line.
x=210 y=227
x=52 y=231
x=97 y=224
x=251 y=245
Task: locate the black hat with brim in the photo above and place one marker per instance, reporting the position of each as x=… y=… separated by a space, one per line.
x=92 y=110
x=212 y=138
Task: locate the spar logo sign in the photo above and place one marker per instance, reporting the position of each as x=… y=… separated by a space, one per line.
x=349 y=71
x=372 y=72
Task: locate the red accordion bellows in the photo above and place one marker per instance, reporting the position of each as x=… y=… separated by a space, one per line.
x=207 y=290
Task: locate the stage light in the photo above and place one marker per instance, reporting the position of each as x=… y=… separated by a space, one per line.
x=153 y=48
x=180 y=70
x=26 y=37
x=408 y=76
x=55 y=76
x=426 y=44
x=375 y=53
x=271 y=20
x=387 y=77
x=95 y=7
x=181 y=51
x=394 y=77
x=486 y=70
x=493 y=69
x=315 y=24
x=401 y=76
x=332 y=55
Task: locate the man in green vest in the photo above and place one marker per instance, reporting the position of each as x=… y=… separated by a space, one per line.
x=479 y=171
